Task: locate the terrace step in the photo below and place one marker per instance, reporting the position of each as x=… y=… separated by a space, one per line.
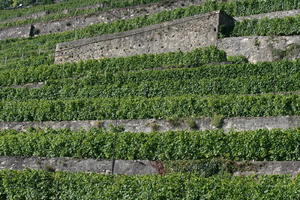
x=262 y=48
x=271 y=15
x=77 y=22
x=146 y=167
x=160 y=125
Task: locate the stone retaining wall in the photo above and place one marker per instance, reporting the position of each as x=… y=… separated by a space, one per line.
x=149 y=125
x=29 y=16
x=262 y=48
x=138 y=167
x=77 y=22
x=278 y=14
x=270 y=168
x=183 y=34
x=135 y=167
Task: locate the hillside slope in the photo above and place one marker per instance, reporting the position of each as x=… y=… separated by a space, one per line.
x=216 y=120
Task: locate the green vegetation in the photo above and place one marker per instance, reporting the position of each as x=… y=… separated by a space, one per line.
x=237 y=59
x=235 y=8
x=258 y=145
x=14 y=3
x=217 y=121
x=107 y=67
x=55 y=11
x=192 y=124
x=179 y=87
x=105 y=71
x=43 y=46
x=145 y=108
x=72 y=89
x=62 y=185
x=267 y=27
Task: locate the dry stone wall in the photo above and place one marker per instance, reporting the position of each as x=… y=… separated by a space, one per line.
x=136 y=167
x=278 y=14
x=179 y=35
x=125 y=167
x=270 y=168
x=262 y=48
x=73 y=23
x=255 y=48
x=15 y=32
x=149 y=125
x=29 y=16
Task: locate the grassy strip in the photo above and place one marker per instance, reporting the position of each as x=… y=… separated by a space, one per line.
x=62 y=185
x=104 y=71
x=272 y=145
x=145 y=108
x=267 y=27
x=197 y=57
x=158 y=88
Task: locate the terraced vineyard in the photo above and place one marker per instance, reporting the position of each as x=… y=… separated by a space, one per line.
x=211 y=122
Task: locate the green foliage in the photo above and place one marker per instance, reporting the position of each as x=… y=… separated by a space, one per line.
x=55 y=11
x=107 y=67
x=217 y=121
x=177 y=186
x=14 y=49
x=145 y=108
x=105 y=71
x=240 y=8
x=14 y=3
x=267 y=27
x=237 y=59
x=192 y=124
x=27 y=184
x=72 y=89
x=272 y=145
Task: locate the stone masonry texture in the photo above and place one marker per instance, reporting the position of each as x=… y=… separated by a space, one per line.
x=72 y=23
x=179 y=35
x=262 y=48
x=135 y=167
x=146 y=125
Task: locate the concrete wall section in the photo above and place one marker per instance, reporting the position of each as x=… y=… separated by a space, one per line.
x=183 y=34
x=149 y=125
x=262 y=48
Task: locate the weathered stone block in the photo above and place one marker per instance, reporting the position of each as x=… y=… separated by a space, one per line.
x=179 y=35
x=147 y=125
x=15 y=32
x=262 y=48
